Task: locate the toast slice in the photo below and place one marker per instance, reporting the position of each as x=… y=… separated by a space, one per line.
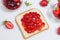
x=19 y=23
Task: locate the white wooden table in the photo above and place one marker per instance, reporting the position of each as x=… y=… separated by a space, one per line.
x=15 y=34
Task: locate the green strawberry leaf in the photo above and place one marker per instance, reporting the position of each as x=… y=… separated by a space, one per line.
x=4 y=22
x=56 y=8
x=48 y=1
x=27 y=3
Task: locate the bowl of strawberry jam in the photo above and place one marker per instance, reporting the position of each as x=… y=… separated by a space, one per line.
x=12 y=4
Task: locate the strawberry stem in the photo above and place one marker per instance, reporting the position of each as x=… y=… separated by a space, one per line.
x=48 y=1
x=58 y=0
x=56 y=8
x=4 y=22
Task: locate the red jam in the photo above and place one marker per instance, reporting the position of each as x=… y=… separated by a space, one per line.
x=12 y=4
x=31 y=22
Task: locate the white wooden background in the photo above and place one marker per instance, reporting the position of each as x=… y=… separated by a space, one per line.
x=15 y=34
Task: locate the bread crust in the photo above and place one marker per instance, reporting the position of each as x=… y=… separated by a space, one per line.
x=35 y=33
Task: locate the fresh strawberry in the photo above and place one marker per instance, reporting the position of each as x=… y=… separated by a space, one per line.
x=58 y=5
x=59 y=16
x=58 y=31
x=44 y=0
x=8 y=24
x=43 y=3
x=58 y=0
x=16 y=0
x=55 y=12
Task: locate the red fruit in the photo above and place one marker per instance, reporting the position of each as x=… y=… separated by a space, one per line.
x=31 y=22
x=56 y=12
x=12 y=4
x=24 y=25
x=38 y=20
x=33 y=13
x=44 y=3
x=59 y=16
x=34 y=19
x=58 y=31
x=44 y=0
x=38 y=15
x=31 y=29
x=58 y=5
x=9 y=25
x=26 y=16
x=42 y=24
x=38 y=27
x=16 y=0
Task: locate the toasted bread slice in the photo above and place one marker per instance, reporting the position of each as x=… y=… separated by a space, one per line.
x=19 y=23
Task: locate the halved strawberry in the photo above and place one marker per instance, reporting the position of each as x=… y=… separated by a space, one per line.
x=8 y=25
x=58 y=5
x=58 y=31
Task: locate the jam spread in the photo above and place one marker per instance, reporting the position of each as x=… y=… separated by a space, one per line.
x=32 y=21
